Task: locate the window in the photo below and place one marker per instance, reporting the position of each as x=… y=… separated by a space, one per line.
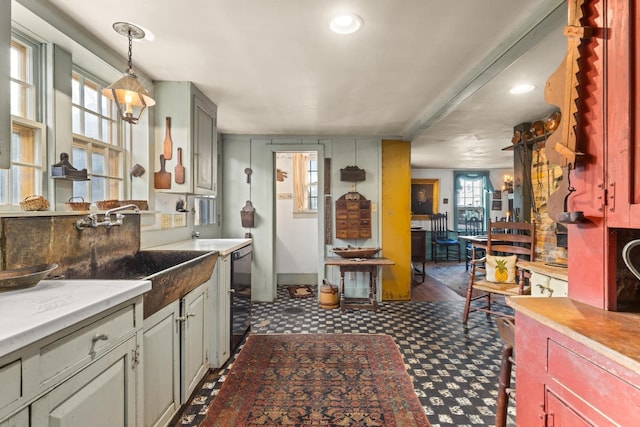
x=312 y=184
x=305 y=182
x=97 y=144
x=24 y=178
x=472 y=190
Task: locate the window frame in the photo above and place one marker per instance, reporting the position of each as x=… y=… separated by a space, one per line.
x=32 y=119
x=91 y=145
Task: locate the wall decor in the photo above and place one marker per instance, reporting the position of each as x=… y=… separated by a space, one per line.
x=424 y=198
x=353 y=216
x=496 y=205
x=352 y=174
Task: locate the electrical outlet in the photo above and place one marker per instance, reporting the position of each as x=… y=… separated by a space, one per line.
x=179 y=219
x=166 y=221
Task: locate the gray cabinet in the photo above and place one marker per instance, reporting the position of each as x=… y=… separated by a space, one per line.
x=161 y=361
x=193 y=129
x=102 y=395
x=221 y=310
x=87 y=373
x=176 y=345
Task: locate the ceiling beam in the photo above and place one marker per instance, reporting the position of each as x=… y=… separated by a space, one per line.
x=547 y=18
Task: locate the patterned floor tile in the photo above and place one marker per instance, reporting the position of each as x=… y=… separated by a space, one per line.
x=454 y=368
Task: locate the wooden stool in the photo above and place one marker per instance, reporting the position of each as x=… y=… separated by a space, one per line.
x=506 y=329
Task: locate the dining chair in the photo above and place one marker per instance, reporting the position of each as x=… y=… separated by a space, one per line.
x=497 y=273
x=472 y=227
x=442 y=237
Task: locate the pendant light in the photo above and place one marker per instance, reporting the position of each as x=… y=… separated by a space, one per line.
x=127 y=92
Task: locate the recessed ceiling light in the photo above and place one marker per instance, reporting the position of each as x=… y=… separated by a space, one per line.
x=523 y=88
x=345 y=24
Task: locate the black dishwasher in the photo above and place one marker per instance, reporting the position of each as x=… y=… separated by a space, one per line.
x=240 y=294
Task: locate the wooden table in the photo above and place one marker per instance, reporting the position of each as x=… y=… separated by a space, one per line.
x=365 y=265
x=476 y=242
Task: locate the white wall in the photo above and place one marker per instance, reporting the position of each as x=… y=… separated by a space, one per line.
x=296 y=236
x=242 y=151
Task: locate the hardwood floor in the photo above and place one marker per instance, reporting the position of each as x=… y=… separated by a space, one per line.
x=434 y=291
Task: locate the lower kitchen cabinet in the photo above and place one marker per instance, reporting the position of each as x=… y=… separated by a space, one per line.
x=21 y=419
x=161 y=363
x=220 y=345
x=101 y=395
x=86 y=374
x=176 y=345
x=575 y=364
x=195 y=340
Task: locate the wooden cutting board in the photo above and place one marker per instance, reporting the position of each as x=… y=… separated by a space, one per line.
x=162 y=178
x=168 y=142
x=179 y=169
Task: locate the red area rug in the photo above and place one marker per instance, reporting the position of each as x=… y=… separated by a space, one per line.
x=317 y=380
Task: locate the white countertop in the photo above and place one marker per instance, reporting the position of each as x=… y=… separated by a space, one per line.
x=222 y=246
x=28 y=315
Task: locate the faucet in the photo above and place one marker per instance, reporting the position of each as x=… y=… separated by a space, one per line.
x=91 y=221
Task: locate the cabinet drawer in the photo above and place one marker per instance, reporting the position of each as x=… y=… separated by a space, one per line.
x=11 y=381
x=71 y=352
x=592 y=386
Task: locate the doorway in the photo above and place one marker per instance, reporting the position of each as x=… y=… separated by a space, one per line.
x=296 y=217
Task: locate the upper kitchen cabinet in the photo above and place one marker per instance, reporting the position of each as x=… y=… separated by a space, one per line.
x=622 y=186
x=186 y=139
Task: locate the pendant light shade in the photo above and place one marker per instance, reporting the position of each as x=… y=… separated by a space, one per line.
x=127 y=92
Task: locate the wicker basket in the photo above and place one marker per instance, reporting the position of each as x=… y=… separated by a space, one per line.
x=143 y=205
x=77 y=206
x=107 y=204
x=34 y=203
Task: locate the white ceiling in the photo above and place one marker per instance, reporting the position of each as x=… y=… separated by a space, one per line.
x=430 y=71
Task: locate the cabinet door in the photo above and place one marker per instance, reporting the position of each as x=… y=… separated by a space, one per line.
x=560 y=414
x=101 y=395
x=21 y=419
x=223 y=267
x=205 y=150
x=161 y=357
x=195 y=343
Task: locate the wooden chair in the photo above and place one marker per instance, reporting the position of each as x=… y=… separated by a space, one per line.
x=472 y=227
x=490 y=275
x=442 y=237
x=506 y=329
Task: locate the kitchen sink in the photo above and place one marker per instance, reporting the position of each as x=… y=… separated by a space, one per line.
x=172 y=273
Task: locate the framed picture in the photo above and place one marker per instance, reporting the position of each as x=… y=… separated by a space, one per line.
x=497 y=195
x=496 y=205
x=424 y=198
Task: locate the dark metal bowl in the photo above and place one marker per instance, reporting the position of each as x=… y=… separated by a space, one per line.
x=25 y=277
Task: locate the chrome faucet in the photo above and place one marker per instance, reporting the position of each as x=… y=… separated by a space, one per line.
x=91 y=220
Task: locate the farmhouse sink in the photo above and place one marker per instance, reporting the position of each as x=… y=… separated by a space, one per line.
x=172 y=273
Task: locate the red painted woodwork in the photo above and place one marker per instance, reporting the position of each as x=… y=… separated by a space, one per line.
x=559 y=381
x=564 y=383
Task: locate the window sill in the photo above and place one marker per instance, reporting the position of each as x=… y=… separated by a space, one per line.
x=305 y=214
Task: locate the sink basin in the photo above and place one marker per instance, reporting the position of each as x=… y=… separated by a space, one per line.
x=172 y=273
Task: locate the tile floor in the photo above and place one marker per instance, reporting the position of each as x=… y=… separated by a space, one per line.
x=455 y=369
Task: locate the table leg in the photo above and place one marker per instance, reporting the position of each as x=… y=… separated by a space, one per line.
x=373 y=289
x=342 y=302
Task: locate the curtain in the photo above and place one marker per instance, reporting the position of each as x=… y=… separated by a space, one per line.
x=459 y=176
x=300 y=181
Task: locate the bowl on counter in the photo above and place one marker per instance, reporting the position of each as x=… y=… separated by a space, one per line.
x=25 y=277
x=351 y=252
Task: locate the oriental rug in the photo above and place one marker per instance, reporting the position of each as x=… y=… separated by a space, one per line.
x=317 y=380
x=300 y=291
